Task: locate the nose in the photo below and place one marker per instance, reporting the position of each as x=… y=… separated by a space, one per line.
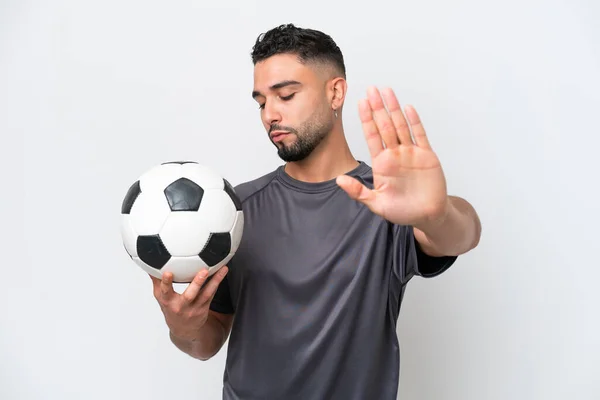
x=271 y=115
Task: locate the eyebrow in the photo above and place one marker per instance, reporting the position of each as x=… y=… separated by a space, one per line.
x=276 y=86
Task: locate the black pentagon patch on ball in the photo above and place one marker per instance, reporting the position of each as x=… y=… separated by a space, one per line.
x=132 y=194
x=217 y=248
x=179 y=162
x=152 y=251
x=184 y=195
x=234 y=197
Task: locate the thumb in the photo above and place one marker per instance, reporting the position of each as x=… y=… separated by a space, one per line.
x=357 y=191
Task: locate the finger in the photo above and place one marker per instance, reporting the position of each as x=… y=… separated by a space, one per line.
x=209 y=290
x=155 y=280
x=382 y=119
x=417 y=127
x=357 y=191
x=372 y=136
x=166 y=286
x=155 y=286
x=191 y=292
x=398 y=119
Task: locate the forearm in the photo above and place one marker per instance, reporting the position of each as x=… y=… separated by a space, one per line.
x=457 y=232
x=209 y=341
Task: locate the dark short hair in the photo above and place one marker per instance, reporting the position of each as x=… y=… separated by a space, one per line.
x=308 y=44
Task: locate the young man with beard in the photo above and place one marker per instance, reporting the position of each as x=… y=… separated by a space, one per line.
x=311 y=299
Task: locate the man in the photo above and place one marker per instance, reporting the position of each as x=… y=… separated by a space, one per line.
x=311 y=299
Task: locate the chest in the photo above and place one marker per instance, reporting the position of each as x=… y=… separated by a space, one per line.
x=306 y=239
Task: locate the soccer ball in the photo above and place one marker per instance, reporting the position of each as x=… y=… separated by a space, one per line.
x=181 y=217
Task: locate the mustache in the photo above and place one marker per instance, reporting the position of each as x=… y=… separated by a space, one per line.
x=276 y=127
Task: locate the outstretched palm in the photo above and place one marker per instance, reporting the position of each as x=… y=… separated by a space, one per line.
x=409 y=184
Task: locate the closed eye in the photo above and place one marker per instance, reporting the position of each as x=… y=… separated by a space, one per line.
x=284 y=98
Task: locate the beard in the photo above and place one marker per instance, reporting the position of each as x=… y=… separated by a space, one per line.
x=308 y=137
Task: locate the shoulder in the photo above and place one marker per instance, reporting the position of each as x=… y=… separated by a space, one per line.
x=246 y=189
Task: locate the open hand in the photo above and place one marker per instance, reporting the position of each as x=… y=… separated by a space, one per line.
x=409 y=184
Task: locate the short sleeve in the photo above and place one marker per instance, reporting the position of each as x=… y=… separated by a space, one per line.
x=221 y=302
x=410 y=259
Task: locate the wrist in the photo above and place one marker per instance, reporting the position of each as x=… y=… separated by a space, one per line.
x=436 y=219
x=455 y=231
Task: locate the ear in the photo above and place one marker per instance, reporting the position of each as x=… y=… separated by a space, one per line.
x=337 y=92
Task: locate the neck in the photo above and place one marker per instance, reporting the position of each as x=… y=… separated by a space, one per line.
x=331 y=158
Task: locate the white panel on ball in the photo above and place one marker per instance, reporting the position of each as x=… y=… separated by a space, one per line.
x=159 y=177
x=184 y=268
x=204 y=176
x=149 y=212
x=185 y=233
x=129 y=235
x=217 y=211
x=236 y=231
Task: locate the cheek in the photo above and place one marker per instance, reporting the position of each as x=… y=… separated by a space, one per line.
x=309 y=109
x=319 y=112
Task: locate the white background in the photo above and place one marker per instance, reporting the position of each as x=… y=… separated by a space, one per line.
x=94 y=93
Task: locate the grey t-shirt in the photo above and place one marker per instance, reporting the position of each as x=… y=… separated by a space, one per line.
x=316 y=287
